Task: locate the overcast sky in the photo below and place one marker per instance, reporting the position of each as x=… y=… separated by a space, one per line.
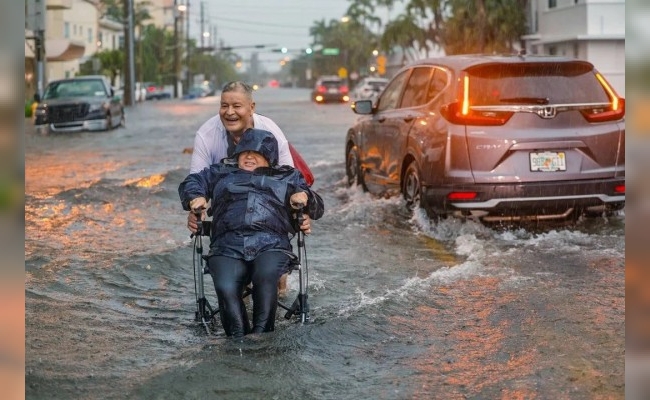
x=279 y=23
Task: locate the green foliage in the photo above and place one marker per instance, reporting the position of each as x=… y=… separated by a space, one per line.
x=155 y=56
x=484 y=26
x=112 y=62
x=109 y=62
x=28 y=108
x=354 y=41
x=456 y=26
x=114 y=10
x=219 y=69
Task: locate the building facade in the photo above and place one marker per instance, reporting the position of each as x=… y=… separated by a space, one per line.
x=75 y=30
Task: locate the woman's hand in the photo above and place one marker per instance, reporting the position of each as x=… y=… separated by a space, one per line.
x=193 y=221
x=197 y=214
x=298 y=200
x=198 y=205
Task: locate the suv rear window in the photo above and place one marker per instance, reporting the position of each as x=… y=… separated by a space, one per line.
x=331 y=83
x=535 y=83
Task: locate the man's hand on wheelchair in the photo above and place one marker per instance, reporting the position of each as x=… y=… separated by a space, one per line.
x=298 y=201
x=197 y=213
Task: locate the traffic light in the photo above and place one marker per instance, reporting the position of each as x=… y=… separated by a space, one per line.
x=381 y=65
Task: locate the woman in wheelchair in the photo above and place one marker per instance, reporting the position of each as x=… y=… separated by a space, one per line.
x=253 y=200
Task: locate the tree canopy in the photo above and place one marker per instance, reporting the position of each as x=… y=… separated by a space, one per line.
x=422 y=28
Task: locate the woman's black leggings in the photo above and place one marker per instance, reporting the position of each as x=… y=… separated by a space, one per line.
x=230 y=277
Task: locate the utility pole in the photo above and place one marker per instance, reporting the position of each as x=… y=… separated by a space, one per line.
x=187 y=33
x=39 y=45
x=129 y=86
x=35 y=21
x=202 y=27
x=177 y=50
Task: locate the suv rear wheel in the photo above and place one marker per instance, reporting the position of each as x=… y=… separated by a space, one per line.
x=412 y=186
x=352 y=167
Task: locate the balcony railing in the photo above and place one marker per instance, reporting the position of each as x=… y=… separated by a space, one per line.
x=58 y=4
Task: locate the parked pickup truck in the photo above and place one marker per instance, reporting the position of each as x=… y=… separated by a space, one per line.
x=83 y=103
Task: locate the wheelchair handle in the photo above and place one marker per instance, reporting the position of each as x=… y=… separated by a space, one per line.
x=199 y=230
x=300 y=216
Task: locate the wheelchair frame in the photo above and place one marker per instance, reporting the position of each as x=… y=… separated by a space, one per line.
x=205 y=313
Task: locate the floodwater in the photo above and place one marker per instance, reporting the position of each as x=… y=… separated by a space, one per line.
x=401 y=308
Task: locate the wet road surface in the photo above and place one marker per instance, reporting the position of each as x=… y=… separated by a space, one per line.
x=401 y=308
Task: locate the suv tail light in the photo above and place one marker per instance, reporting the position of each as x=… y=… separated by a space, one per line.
x=321 y=89
x=462 y=196
x=460 y=112
x=343 y=89
x=615 y=111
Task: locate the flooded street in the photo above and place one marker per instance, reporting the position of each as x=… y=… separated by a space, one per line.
x=401 y=308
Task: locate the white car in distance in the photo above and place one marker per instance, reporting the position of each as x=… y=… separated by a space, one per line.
x=369 y=88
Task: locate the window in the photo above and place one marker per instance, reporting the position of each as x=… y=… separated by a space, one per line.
x=438 y=83
x=535 y=84
x=66 y=30
x=552 y=4
x=415 y=93
x=552 y=50
x=90 y=35
x=390 y=98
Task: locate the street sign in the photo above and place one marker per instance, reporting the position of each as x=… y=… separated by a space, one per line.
x=330 y=51
x=343 y=73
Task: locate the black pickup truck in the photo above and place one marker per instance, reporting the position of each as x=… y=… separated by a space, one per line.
x=83 y=103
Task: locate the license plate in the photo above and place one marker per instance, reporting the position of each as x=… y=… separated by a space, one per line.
x=548 y=161
x=332 y=90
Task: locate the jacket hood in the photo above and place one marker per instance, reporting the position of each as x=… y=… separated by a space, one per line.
x=260 y=141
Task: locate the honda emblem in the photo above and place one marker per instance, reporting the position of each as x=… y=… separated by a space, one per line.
x=547 y=112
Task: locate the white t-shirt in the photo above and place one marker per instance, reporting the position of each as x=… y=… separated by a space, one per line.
x=211 y=142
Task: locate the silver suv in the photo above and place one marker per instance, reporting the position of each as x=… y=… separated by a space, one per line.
x=493 y=137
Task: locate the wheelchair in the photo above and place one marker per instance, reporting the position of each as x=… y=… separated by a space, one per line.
x=205 y=314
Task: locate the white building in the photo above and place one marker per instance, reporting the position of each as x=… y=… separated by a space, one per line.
x=77 y=24
x=591 y=30
x=74 y=31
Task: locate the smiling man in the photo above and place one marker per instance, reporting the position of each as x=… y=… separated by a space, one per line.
x=217 y=137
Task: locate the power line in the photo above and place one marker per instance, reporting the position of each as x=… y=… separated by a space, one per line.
x=265 y=32
x=249 y=22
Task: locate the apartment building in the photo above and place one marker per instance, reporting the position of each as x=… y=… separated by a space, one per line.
x=592 y=30
x=74 y=30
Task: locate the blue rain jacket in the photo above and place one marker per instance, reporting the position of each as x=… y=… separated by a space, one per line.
x=251 y=210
